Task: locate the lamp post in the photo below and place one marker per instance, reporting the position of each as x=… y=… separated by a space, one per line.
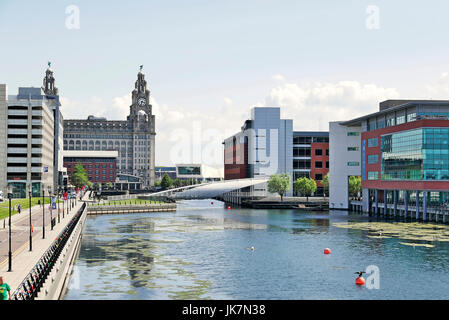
x=51 y=207
x=59 y=217
x=9 y=252
x=43 y=210
x=31 y=231
x=63 y=201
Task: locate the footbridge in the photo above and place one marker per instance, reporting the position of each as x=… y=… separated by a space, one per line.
x=212 y=190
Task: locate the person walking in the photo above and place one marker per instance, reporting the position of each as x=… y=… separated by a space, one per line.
x=5 y=290
x=19 y=208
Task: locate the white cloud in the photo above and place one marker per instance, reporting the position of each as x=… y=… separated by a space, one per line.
x=313 y=105
x=196 y=134
x=439 y=89
x=279 y=77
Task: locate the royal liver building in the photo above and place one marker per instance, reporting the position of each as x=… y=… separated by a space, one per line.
x=134 y=139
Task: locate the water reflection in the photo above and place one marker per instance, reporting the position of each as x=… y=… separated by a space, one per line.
x=201 y=252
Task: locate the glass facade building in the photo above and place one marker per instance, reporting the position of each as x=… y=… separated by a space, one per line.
x=420 y=154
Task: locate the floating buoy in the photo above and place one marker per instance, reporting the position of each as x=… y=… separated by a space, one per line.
x=327 y=251
x=229 y=208
x=212 y=202
x=251 y=248
x=360 y=281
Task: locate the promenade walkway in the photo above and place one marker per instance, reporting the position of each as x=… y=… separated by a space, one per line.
x=22 y=259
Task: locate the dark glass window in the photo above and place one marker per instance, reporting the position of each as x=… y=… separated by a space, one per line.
x=318 y=164
x=318 y=152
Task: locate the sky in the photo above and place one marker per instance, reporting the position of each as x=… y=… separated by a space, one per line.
x=207 y=63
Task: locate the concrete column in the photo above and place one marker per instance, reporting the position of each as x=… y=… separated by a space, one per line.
x=417 y=204
x=405 y=204
x=377 y=202
x=424 y=217
x=395 y=202
x=385 y=203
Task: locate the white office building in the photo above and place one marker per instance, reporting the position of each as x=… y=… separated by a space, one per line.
x=344 y=156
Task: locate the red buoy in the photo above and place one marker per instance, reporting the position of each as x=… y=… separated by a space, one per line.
x=229 y=208
x=327 y=251
x=360 y=281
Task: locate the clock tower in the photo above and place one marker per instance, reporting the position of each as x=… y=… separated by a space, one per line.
x=141 y=122
x=140 y=97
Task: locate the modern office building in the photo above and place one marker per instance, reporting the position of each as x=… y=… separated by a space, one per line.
x=99 y=165
x=27 y=146
x=263 y=147
x=31 y=143
x=345 y=158
x=133 y=139
x=311 y=157
x=198 y=172
x=268 y=145
x=161 y=171
x=403 y=156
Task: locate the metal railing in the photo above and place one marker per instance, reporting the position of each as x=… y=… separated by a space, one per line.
x=33 y=282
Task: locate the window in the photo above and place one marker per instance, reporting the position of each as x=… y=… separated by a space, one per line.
x=411 y=117
x=353 y=163
x=373 y=158
x=327 y=152
x=353 y=148
x=318 y=176
x=420 y=154
x=318 y=152
x=353 y=134
x=373 y=142
x=318 y=164
x=373 y=175
x=327 y=164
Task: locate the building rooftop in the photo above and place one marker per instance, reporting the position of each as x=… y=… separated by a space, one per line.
x=388 y=106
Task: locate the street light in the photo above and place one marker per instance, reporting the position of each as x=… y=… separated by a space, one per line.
x=59 y=190
x=63 y=201
x=9 y=252
x=51 y=207
x=43 y=210
x=31 y=237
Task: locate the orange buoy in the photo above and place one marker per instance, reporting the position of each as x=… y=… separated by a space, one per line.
x=327 y=251
x=360 y=281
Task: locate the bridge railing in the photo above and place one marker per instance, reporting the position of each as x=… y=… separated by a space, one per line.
x=33 y=282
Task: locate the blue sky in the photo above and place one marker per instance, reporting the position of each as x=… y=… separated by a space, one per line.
x=213 y=60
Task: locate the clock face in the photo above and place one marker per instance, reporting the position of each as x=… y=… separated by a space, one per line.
x=141 y=102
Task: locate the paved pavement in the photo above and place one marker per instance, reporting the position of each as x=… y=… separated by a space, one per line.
x=22 y=259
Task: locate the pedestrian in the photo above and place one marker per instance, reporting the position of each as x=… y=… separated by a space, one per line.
x=19 y=208
x=5 y=290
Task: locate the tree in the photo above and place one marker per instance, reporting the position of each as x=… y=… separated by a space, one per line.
x=110 y=185
x=279 y=183
x=305 y=186
x=325 y=183
x=166 y=182
x=355 y=185
x=177 y=183
x=79 y=176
